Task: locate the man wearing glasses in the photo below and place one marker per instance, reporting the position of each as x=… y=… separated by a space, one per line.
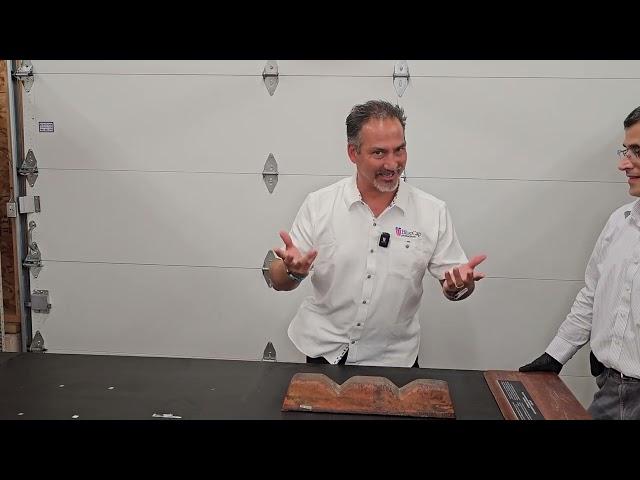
x=606 y=312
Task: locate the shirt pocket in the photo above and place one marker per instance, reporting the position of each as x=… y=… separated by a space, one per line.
x=407 y=258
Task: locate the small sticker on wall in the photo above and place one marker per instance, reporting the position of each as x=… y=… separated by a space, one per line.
x=46 y=127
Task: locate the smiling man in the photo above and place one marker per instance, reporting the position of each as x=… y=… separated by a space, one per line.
x=370 y=239
x=606 y=312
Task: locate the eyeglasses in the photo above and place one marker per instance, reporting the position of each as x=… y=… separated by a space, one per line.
x=632 y=151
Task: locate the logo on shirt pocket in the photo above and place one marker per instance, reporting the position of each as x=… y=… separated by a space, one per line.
x=404 y=233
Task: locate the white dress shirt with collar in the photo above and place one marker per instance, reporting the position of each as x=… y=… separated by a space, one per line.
x=366 y=296
x=607 y=310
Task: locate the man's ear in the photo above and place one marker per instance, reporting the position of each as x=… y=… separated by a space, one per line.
x=352 y=152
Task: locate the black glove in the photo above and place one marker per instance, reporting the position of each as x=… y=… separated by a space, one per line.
x=544 y=363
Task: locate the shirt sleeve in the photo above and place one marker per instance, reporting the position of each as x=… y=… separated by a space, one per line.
x=302 y=232
x=448 y=252
x=575 y=331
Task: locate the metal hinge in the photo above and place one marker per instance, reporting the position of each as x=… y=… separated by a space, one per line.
x=34 y=260
x=39 y=301
x=270 y=76
x=265 y=267
x=37 y=344
x=34 y=257
x=24 y=74
x=29 y=168
x=401 y=76
x=269 y=354
x=270 y=173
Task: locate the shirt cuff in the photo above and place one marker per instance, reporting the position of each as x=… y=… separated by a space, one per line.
x=561 y=350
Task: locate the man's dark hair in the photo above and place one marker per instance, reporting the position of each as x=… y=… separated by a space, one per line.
x=360 y=114
x=632 y=118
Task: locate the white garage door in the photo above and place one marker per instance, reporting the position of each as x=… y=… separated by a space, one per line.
x=155 y=218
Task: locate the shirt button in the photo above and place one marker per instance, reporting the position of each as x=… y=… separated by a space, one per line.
x=364 y=301
x=368 y=276
x=407 y=245
x=372 y=250
x=374 y=224
x=352 y=342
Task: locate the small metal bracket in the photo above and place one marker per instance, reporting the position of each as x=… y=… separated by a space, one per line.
x=25 y=75
x=32 y=227
x=29 y=204
x=12 y=209
x=270 y=173
x=34 y=257
x=37 y=344
x=166 y=415
x=401 y=76
x=269 y=354
x=39 y=301
x=29 y=168
x=270 y=76
x=265 y=267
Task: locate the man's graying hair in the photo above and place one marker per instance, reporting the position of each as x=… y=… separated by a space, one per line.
x=360 y=114
x=632 y=118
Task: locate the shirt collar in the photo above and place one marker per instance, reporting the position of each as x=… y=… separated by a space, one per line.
x=352 y=194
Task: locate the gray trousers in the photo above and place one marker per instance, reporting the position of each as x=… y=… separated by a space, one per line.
x=617 y=399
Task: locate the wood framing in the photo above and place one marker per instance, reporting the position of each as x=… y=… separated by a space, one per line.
x=10 y=265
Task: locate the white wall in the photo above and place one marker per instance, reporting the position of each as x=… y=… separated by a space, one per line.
x=155 y=220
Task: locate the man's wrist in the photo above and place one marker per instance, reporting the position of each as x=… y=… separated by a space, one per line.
x=456 y=294
x=296 y=277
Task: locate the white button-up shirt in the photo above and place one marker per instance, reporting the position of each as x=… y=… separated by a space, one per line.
x=365 y=296
x=607 y=309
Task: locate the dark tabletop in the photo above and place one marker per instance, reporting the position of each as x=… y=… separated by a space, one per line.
x=47 y=386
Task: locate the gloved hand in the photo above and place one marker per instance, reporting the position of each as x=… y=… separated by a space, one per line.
x=544 y=363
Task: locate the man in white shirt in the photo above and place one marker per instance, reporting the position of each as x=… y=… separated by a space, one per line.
x=370 y=239
x=606 y=312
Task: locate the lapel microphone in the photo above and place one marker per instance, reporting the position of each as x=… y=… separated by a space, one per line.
x=384 y=240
